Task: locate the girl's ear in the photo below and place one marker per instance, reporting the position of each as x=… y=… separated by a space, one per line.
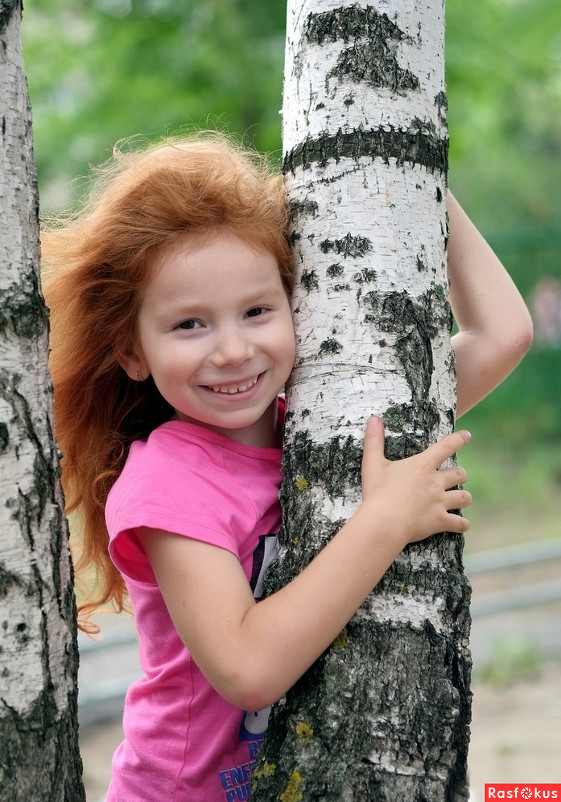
x=133 y=364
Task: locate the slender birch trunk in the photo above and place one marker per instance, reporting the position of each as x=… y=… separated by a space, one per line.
x=384 y=714
x=39 y=757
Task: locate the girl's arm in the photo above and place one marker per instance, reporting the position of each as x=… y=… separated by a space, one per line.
x=252 y=653
x=495 y=328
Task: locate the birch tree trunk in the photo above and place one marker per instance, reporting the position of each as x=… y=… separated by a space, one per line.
x=39 y=757
x=384 y=714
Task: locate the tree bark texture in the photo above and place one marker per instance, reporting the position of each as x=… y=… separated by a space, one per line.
x=384 y=714
x=39 y=758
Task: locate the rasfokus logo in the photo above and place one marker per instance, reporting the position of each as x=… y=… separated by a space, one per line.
x=522 y=791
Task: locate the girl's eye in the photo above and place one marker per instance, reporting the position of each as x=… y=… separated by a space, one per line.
x=256 y=311
x=189 y=325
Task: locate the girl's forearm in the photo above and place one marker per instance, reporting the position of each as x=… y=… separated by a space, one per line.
x=252 y=653
x=284 y=634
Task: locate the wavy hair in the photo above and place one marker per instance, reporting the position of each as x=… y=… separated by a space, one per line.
x=96 y=265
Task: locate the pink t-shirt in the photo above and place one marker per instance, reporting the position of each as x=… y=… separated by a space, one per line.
x=183 y=741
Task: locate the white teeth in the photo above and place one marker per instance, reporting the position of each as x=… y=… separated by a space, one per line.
x=218 y=388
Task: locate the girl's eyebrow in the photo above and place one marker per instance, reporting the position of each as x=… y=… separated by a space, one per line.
x=264 y=292
x=194 y=308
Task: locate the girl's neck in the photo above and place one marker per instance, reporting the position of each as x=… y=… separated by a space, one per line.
x=264 y=433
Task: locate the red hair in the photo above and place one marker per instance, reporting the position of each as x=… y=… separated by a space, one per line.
x=96 y=265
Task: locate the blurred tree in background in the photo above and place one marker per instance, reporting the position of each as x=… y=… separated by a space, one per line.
x=102 y=70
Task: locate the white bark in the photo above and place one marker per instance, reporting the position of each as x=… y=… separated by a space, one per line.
x=38 y=657
x=316 y=99
x=395 y=209
x=393 y=206
x=365 y=144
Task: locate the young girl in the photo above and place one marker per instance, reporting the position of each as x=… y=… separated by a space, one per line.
x=171 y=340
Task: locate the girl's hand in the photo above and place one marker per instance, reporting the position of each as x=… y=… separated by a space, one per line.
x=415 y=494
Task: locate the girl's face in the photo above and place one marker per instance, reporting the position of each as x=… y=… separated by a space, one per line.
x=215 y=332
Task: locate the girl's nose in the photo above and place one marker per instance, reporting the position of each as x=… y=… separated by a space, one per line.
x=232 y=349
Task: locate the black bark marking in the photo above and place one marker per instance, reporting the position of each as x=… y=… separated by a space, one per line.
x=330 y=347
x=335 y=270
x=371 y=58
x=440 y=292
x=335 y=463
x=32 y=507
x=419 y=144
x=413 y=345
x=347 y=246
x=22 y=310
x=4 y=437
x=7 y=580
x=441 y=102
x=309 y=280
x=365 y=276
x=417 y=323
x=304 y=207
x=6 y=10
x=413 y=427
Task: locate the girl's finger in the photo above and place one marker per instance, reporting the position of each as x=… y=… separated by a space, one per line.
x=457 y=499
x=455 y=523
x=373 y=453
x=453 y=476
x=445 y=448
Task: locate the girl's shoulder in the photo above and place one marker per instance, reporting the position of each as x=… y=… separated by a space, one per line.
x=181 y=463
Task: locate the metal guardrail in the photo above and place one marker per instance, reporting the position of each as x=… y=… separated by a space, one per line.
x=99 y=698
x=523 y=596
x=512 y=556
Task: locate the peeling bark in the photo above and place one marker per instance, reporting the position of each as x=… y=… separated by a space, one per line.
x=384 y=714
x=39 y=758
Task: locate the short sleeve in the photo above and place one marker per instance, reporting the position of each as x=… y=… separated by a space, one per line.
x=186 y=491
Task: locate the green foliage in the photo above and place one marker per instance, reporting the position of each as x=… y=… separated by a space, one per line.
x=504 y=92
x=525 y=408
x=103 y=70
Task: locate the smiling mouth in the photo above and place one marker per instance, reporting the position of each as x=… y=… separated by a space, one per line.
x=232 y=389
